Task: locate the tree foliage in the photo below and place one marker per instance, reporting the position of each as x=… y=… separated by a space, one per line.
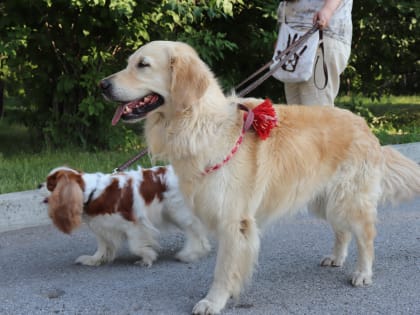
x=53 y=53
x=385 y=50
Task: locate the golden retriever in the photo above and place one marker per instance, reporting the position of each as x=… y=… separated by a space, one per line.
x=322 y=157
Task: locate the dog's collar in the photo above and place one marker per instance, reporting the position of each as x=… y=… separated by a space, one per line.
x=90 y=197
x=262 y=118
x=86 y=204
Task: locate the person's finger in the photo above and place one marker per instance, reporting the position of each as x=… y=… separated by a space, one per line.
x=320 y=19
x=322 y=23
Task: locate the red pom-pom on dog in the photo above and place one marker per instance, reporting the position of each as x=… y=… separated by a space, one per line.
x=265 y=119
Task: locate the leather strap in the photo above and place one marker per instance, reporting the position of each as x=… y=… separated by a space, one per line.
x=282 y=58
x=324 y=65
x=135 y=158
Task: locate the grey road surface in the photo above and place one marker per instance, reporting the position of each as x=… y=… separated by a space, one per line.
x=38 y=276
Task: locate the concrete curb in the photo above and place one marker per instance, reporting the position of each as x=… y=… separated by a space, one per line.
x=22 y=209
x=411 y=150
x=26 y=209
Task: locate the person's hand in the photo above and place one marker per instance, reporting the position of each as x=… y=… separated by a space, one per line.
x=322 y=17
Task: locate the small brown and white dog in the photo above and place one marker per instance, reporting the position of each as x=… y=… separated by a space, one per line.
x=130 y=206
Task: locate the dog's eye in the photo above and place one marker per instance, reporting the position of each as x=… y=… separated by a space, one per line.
x=142 y=64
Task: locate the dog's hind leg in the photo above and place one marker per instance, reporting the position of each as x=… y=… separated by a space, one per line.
x=365 y=233
x=361 y=217
x=142 y=243
x=319 y=206
x=354 y=213
x=360 y=223
x=237 y=254
x=357 y=218
x=342 y=240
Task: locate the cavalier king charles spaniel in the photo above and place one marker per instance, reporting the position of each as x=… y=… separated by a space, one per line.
x=131 y=205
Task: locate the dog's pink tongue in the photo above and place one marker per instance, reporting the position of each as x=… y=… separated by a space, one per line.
x=117 y=115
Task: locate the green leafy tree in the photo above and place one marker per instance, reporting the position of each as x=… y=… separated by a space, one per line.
x=385 y=50
x=53 y=53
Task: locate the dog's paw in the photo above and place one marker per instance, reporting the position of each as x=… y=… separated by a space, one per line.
x=331 y=261
x=148 y=256
x=361 y=278
x=186 y=257
x=190 y=256
x=144 y=263
x=193 y=251
x=205 y=307
x=88 y=260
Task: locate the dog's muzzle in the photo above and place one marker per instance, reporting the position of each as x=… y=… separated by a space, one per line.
x=104 y=85
x=132 y=110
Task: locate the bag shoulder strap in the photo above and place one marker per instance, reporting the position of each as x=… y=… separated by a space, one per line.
x=283 y=11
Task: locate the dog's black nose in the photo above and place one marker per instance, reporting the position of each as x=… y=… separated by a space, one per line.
x=104 y=84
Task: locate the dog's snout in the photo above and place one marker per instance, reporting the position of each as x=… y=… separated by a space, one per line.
x=105 y=84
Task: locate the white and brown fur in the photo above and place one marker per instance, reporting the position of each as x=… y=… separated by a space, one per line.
x=326 y=158
x=132 y=205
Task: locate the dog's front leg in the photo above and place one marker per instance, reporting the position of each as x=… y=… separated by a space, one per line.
x=104 y=254
x=237 y=254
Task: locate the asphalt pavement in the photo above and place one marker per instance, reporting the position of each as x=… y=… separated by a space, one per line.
x=38 y=274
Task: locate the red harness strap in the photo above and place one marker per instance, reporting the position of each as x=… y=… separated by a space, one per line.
x=262 y=118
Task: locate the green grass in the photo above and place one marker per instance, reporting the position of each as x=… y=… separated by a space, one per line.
x=393 y=119
x=24 y=171
x=13 y=139
x=390 y=100
x=23 y=166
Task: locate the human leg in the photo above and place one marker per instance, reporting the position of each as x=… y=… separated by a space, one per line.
x=308 y=92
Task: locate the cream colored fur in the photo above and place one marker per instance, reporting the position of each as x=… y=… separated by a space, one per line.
x=326 y=158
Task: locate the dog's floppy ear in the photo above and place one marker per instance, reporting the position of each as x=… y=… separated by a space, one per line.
x=190 y=77
x=65 y=205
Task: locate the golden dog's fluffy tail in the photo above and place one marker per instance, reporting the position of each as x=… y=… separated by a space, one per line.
x=401 y=181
